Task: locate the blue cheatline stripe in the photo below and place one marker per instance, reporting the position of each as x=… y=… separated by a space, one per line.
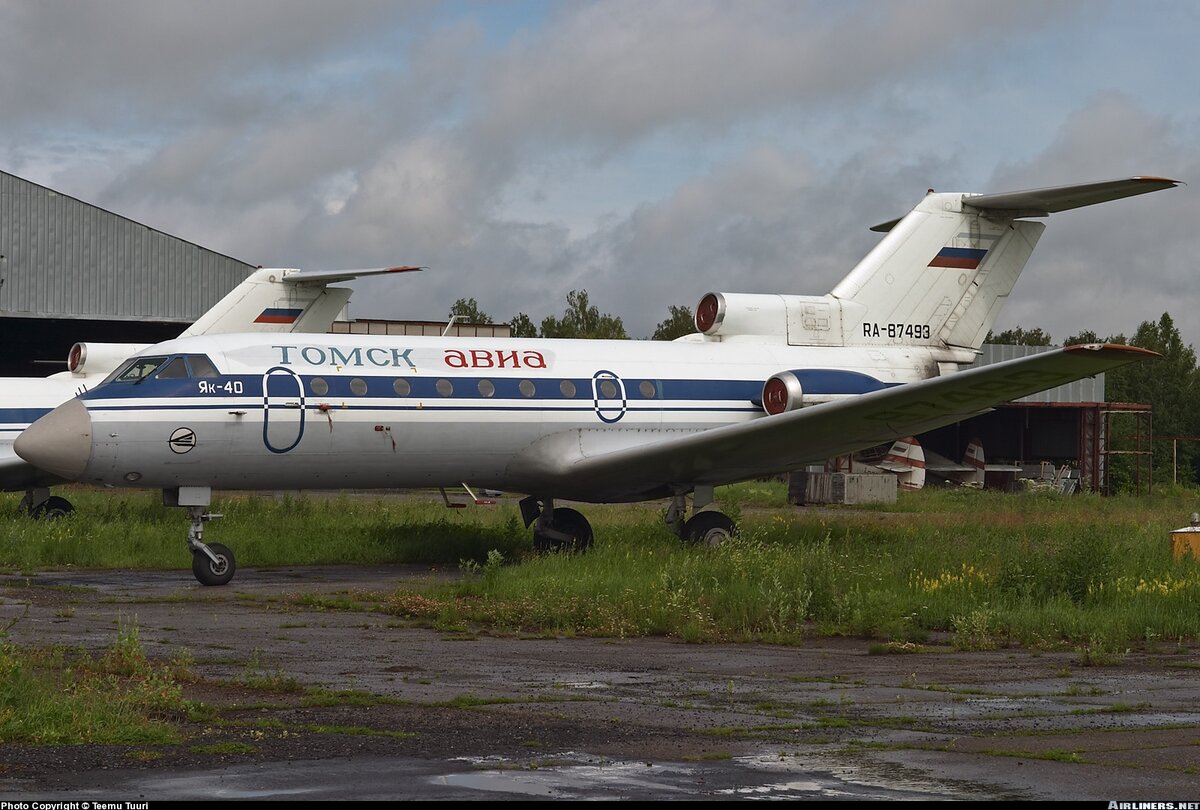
x=430 y=408
x=22 y=415
x=337 y=387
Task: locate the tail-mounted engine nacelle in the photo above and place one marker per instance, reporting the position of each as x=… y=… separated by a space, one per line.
x=782 y=392
x=741 y=314
x=90 y=359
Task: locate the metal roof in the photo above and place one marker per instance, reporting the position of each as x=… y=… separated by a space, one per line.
x=1089 y=389
x=65 y=258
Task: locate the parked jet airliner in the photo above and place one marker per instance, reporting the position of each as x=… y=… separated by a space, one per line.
x=770 y=383
x=268 y=300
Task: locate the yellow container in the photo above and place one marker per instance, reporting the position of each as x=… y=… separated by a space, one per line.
x=1186 y=541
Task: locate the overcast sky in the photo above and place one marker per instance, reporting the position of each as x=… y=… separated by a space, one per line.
x=645 y=151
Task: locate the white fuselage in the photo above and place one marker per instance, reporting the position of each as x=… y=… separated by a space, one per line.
x=337 y=411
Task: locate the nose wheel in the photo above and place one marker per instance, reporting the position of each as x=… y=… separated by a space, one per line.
x=41 y=505
x=213 y=565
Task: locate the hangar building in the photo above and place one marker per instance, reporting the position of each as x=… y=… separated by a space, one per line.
x=1070 y=425
x=71 y=271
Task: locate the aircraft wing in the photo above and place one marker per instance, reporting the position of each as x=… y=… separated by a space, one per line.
x=937 y=463
x=599 y=464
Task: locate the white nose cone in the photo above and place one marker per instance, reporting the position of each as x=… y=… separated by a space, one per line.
x=60 y=442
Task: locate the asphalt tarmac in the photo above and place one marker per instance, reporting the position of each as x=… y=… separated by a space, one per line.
x=481 y=717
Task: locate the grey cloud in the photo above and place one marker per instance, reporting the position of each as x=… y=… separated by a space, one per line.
x=166 y=61
x=1110 y=267
x=615 y=71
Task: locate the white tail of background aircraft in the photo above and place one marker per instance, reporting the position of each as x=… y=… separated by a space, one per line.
x=269 y=300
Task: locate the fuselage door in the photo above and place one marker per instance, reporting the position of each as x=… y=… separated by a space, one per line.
x=608 y=396
x=283 y=409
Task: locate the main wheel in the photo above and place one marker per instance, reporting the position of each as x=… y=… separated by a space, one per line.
x=709 y=529
x=52 y=508
x=210 y=572
x=568 y=521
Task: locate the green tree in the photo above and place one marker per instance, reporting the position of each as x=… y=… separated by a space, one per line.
x=1086 y=336
x=583 y=320
x=1020 y=337
x=1171 y=386
x=679 y=324
x=521 y=326
x=468 y=311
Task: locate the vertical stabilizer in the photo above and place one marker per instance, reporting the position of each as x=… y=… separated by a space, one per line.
x=942 y=273
x=938 y=278
x=974 y=459
x=906 y=458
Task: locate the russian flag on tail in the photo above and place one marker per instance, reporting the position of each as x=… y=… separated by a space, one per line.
x=961 y=258
x=278 y=315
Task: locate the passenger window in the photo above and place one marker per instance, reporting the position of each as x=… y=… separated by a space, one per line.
x=402 y=387
x=568 y=388
x=647 y=389
x=486 y=388
x=445 y=387
x=176 y=369
x=358 y=386
x=318 y=386
x=527 y=388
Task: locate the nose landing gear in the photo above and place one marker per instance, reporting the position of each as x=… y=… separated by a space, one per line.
x=212 y=563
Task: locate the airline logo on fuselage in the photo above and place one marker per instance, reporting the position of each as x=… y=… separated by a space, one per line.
x=388 y=357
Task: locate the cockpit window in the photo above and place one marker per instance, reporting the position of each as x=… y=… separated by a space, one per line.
x=176 y=369
x=202 y=366
x=139 y=369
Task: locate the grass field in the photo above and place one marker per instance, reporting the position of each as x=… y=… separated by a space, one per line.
x=985 y=569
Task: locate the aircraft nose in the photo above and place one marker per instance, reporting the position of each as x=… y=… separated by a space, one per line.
x=60 y=442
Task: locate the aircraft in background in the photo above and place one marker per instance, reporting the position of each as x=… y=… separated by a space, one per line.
x=769 y=383
x=912 y=463
x=268 y=300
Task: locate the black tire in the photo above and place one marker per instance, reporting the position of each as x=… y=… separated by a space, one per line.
x=208 y=572
x=52 y=508
x=709 y=529
x=569 y=521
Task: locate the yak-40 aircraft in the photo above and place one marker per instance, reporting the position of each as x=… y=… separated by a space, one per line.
x=267 y=300
x=769 y=383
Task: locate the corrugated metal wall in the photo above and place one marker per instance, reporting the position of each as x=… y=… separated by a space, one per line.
x=1085 y=390
x=64 y=258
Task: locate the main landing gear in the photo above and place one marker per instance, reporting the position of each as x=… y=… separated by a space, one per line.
x=555 y=529
x=708 y=528
x=565 y=529
x=39 y=503
x=212 y=563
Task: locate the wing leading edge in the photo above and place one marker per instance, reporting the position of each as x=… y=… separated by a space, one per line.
x=613 y=465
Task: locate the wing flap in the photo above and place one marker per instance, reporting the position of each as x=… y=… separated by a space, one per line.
x=611 y=465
